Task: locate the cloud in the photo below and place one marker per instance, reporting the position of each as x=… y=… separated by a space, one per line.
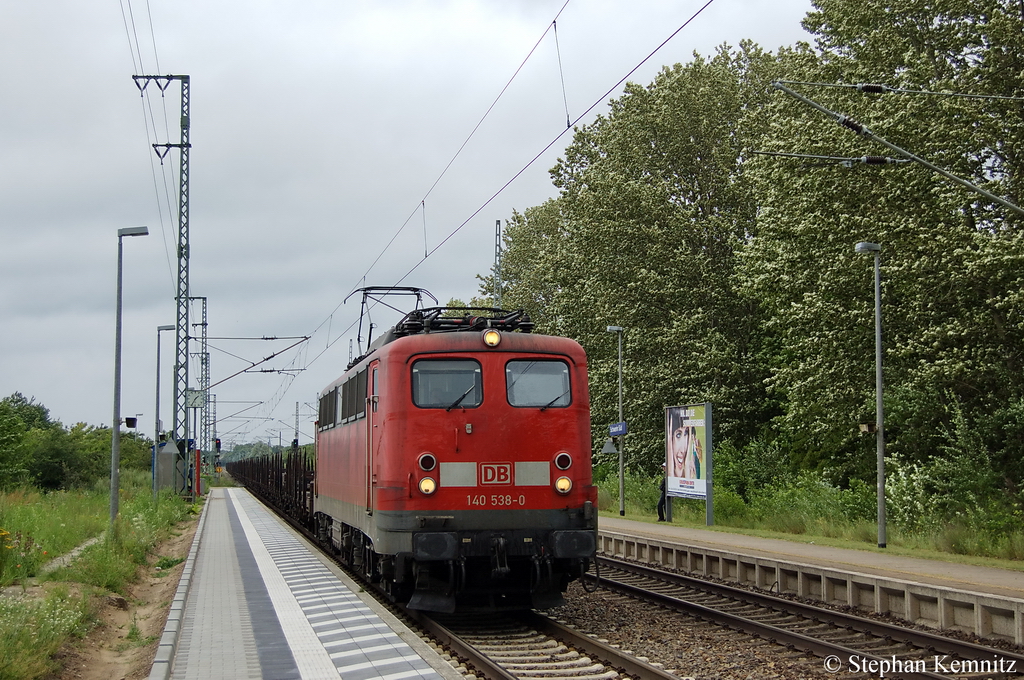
x=317 y=130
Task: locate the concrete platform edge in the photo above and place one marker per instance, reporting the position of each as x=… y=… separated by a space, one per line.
x=164 y=659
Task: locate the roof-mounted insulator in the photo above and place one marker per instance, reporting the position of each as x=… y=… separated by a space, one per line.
x=433 y=319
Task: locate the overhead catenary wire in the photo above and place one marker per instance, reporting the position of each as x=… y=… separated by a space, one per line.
x=878 y=88
x=864 y=131
x=421 y=206
x=257 y=363
x=132 y=46
x=328 y=321
x=561 y=74
x=842 y=160
x=554 y=141
x=511 y=180
x=138 y=66
x=462 y=147
x=519 y=173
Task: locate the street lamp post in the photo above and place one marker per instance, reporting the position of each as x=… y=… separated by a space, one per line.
x=622 y=439
x=875 y=249
x=156 y=427
x=115 y=435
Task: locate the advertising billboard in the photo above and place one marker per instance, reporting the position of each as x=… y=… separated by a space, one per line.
x=688 y=451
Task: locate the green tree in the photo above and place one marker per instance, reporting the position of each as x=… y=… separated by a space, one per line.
x=19 y=417
x=952 y=261
x=653 y=205
x=13 y=466
x=31 y=414
x=54 y=462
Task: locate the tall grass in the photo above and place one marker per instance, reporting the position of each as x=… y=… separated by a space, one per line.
x=111 y=564
x=31 y=631
x=38 y=527
x=810 y=506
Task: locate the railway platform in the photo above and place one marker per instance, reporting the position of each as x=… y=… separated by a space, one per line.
x=256 y=601
x=985 y=601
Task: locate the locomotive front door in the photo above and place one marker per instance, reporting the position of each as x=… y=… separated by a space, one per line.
x=372 y=433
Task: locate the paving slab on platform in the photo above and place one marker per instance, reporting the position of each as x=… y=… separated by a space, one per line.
x=262 y=605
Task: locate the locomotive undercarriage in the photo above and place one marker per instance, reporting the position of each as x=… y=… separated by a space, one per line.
x=473 y=570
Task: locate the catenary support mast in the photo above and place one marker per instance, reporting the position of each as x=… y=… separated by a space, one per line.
x=180 y=420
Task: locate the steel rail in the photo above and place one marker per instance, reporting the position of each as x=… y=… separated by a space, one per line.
x=781 y=636
x=490 y=668
x=620 y=661
x=909 y=636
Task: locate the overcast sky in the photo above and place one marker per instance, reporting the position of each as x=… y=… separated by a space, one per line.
x=318 y=129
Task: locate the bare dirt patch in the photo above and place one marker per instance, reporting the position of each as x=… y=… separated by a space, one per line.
x=113 y=650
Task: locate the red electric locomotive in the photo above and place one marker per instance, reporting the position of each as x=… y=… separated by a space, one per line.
x=453 y=462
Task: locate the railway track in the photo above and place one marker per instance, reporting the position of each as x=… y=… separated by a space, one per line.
x=845 y=644
x=531 y=646
x=519 y=646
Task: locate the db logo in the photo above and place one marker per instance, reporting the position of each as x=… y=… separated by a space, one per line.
x=495 y=473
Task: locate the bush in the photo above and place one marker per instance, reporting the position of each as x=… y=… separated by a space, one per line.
x=759 y=464
x=728 y=506
x=642 y=492
x=808 y=500
x=957 y=491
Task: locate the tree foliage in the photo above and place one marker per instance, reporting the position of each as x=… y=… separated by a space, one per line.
x=653 y=205
x=37 y=450
x=951 y=259
x=734 y=273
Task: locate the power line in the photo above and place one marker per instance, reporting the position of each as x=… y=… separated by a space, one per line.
x=877 y=88
x=421 y=206
x=516 y=176
x=841 y=160
x=561 y=74
x=422 y=203
x=504 y=186
x=864 y=131
x=553 y=141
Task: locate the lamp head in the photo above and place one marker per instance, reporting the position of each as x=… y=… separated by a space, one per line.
x=133 y=231
x=165 y=328
x=865 y=247
x=614 y=329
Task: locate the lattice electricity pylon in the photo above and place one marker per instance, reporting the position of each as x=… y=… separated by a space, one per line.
x=180 y=421
x=204 y=440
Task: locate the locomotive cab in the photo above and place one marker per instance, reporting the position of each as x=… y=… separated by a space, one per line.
x=458 y=476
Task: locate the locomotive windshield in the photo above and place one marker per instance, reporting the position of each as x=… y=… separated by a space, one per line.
x=538 y=383
x=447 y=383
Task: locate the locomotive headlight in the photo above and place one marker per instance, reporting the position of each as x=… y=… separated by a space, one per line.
x=563 y=485
x=428 y=486
x=427 y=462
x=563 y=461
x=491 y=337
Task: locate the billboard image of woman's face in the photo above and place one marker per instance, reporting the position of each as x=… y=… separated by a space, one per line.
x=685 y=437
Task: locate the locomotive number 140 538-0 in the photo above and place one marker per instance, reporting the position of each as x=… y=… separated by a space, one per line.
x=495 y=500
